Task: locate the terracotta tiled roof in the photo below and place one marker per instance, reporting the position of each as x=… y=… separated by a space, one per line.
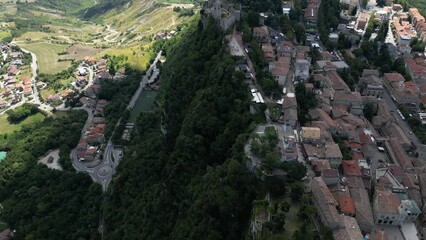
x=346 y=205
x=388 y=202
x=351 y=168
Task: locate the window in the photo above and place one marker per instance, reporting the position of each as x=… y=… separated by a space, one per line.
x=380 y=221
x=390 y=222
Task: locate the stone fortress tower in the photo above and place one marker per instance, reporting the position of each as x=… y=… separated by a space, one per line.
x=225 y=15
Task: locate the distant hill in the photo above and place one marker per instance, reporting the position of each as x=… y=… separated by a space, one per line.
x=103 y=7
x=66 y=6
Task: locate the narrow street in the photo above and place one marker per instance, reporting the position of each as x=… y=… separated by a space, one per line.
x=402 y=123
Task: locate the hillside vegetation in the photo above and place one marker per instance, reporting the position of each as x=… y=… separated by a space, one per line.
x=190 y=183
x=420 y=4
x=41 y=203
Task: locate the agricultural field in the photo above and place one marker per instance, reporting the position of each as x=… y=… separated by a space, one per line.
x=47 y=56
x=4 y=34
x=79 y=52
x=6 y=127
x=137 y=57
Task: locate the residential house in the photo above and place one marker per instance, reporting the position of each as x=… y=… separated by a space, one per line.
x=359 y=194
x=349 y=230
x=330 y=176
x=290 y=117
x=319 y=165
x=393 y=130
x=362 y=20
x=280 y=69
x=311 y=134
x=302 y=66
x=383 y=115
x=416 y=70
x=268 y=52
x=398 y=155
x=371 y=86
x=389 y=209
x=333 y=154
x=351 y=168
x=415 y=15
x=289 y=151
x=320 y=114
x=319 y=79
x=102 y=76
x=285 y=49
x=90 y=154
x=13 y=70
x=395 y=84
x=370 y=72
x=335 y=82
x=346 y=205
x=325 y=204
x=261 y=34
x=352 y=100
x=311 y=15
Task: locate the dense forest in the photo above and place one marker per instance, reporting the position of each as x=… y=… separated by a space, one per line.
x=41 y=203
x=184 y=176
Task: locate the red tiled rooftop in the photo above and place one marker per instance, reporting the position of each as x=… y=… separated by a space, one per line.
x=410 y=85
x=364 y=138
x=351 y=167
x=330 y=173
x=357 y=155
x=396 y=170
x=393 y=77
x=346 y=205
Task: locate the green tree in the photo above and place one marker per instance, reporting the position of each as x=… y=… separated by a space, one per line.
x=368 y=111
x=296 y=191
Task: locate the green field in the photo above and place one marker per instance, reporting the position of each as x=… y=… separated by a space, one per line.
x=145 y=103
x=6 y=127
x=136 y=57
x=47 y=56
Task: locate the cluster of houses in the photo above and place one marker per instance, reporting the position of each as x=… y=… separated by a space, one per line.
x=166 y=34
x=370 y=181
x=81 y=81
x=13 y=85
x=89 y=146
x=411 y=93
x=280 y=54
x=344 y=188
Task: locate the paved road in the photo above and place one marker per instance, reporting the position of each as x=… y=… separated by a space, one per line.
x=403 y=124
x=91 y=75
x=34 y=67
x=101 y=173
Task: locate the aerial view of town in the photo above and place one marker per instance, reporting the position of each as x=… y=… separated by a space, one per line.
x=213 y=119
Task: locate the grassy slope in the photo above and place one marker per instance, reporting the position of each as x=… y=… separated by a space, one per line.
x=6 y=127
x=138 y=24
x=47 y=56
